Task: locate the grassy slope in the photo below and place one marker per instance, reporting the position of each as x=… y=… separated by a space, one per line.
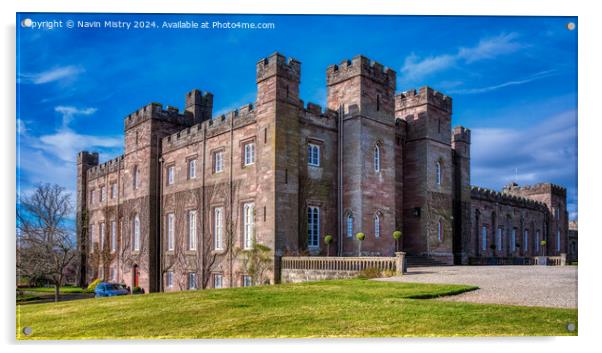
x=51 y=289
x=345 y=308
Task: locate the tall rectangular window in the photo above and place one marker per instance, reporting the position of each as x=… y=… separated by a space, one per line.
x=102 y=194
x=249 y=153
x=169 y=279
x=484 y=238
x=536 y=241
x=349 y=226
x=218 y=280
x=218 y=228
x=249 y=223
x=101 y=231
x=92 y=199
x=558 y=240
x=192 y=230
x=92 y=237
x=113 y=190
x=313 y=226
x=513 y=240
x=526 y=241
x=170 y=231
x=191 y=280
x=313 y=154
x=192 y=169
x=247 y=281
x=113 y=236
x=376 y=158
x=440 y=230
x=170 y=175
x=218 y=161
x=136 y=177
x=136 y=242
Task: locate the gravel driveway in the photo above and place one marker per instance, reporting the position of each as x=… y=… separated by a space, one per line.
x=551 y=286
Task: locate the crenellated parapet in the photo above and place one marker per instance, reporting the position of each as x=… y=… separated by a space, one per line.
x=461 y=134
x=105 y=168
x=540 y=188
x=424 y=96
x=360 y=66
x=157 y=111
x=484 y=194
x=218 y=125
x=278 y=65
x=314 y=114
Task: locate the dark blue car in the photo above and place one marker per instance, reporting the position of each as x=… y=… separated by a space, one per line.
x=106 y=289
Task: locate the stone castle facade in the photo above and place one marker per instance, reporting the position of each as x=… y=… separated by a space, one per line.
x=192 y=191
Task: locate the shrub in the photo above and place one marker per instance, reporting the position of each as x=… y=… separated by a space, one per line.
x=360 y=236
x=396 y=235
x=328 y=239
x=369 y=272
x=138 y=290
x=92 y=286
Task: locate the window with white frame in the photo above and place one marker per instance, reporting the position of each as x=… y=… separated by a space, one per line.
x=249 y=150
x=170 y=174
x=438 y=172
x=170 y=231
x=192 y=230
x=169 y=279
x=313 y=154
x=498 y=239
x=440 y=230
x=101 y=232
x=377 y=225
x=249 y=224
x=136 y=231
x=313 y=227
x=218 y=228
x=92 y=197
x=218 y=161
x=558 y=240
x=192 y=169
x=218 y=280
x=92 y=237
x=113 y=190
x=191 y=280
x=102 y=194
x=526 y=240
x=484 y=238
x=513 y=240
x=113 y=236
x=349 y=225
x=247 y=281
x=376 y=158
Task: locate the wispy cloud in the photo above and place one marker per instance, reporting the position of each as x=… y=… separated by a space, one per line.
x=416 y=68
x=52 y=75
x=531 y=78
x=69 y=112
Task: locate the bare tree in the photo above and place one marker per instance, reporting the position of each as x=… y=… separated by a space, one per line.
x=257 y=262
x=45 y=244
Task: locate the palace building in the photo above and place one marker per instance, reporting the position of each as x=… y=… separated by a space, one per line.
x=193 y=191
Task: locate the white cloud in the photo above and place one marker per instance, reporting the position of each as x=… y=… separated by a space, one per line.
x=534 y=77
x=55 y=74
x=69 y=112
x=416 y=68
x=490 y=48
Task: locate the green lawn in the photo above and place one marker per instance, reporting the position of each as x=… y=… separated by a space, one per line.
x=341 y=308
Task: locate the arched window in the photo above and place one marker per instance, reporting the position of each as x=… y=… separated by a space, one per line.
x=440 y=230
x=376 y=158
x=377 y=226
x=438 y=172
x=349 y=225
x=136 y=235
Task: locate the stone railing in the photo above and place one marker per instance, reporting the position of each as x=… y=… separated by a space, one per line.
x=312 y=268
x=524 y=260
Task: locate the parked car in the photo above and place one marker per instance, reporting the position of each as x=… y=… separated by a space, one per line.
x=106 y=289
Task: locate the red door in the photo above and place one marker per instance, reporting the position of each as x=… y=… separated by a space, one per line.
x=136 y=276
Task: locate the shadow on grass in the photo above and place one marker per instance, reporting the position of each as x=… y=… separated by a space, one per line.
x=442 y=294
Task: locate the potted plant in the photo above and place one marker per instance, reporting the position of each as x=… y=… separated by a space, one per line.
x=328 y=240
x=543 y=247
x=397 y=236
x=360 y=236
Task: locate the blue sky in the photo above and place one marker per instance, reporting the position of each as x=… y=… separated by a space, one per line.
x=513 y=81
